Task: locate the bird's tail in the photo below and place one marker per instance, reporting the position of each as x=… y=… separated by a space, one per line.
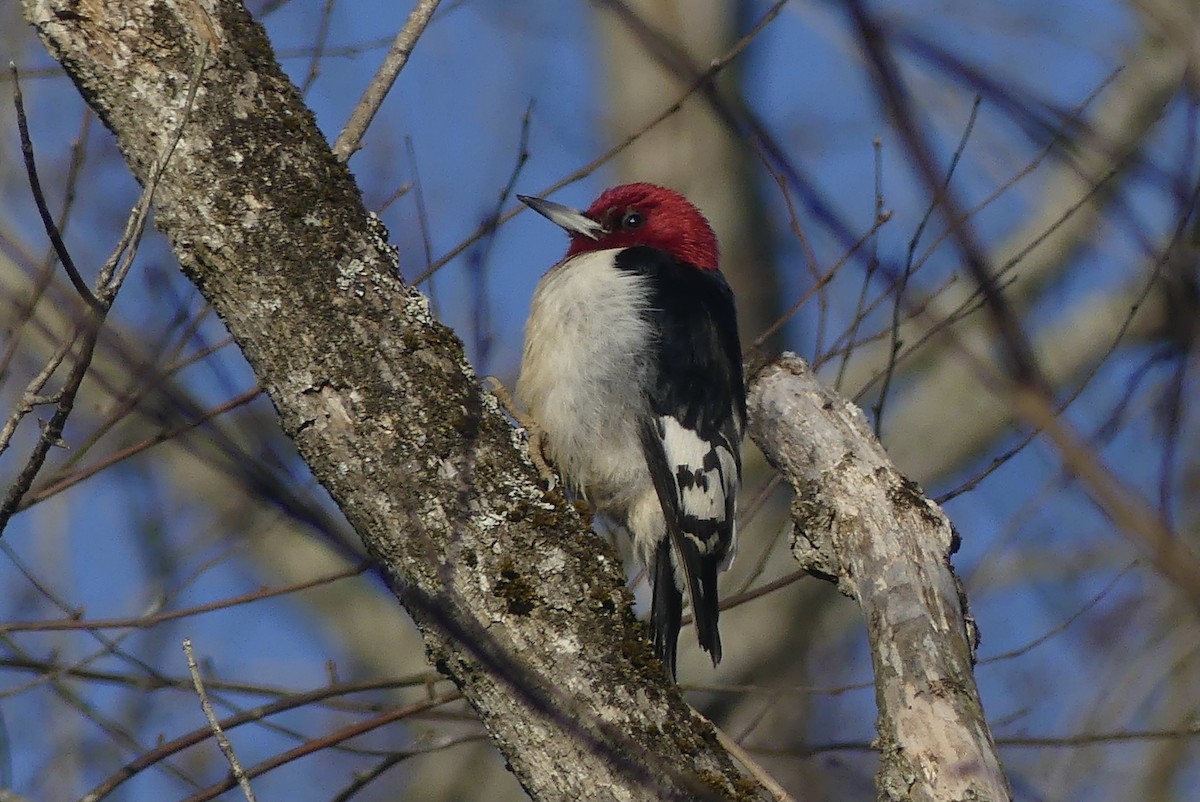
x=700 y=576
x=667 y=608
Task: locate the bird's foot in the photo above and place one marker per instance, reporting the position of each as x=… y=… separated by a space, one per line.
x=533 y=432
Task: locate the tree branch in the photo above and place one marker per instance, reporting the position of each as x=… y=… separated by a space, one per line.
x=862 y=524
x=350 y=138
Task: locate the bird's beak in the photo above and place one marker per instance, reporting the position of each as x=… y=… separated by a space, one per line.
x=571 y=220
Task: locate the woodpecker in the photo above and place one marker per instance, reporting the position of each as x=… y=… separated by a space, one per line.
x=632 y=374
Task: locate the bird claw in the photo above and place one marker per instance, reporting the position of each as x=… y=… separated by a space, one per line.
x=536 y=456
x=533 y=432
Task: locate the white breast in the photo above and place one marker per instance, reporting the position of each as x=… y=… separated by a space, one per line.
x=587 y=356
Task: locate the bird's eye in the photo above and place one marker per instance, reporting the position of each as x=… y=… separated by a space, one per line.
x=633 y=220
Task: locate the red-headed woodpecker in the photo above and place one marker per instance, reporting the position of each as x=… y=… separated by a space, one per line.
x=632 y=373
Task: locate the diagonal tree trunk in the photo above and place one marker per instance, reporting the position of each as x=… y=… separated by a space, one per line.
x=382 y=404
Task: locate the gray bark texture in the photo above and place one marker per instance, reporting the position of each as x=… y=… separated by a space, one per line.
x=862 y=524
x=518 y=602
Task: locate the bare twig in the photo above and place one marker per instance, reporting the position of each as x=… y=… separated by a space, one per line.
x=1034 y=741
x=33 y=390
x=1129 y=510
x=39 y=198
x=144 y=621
x=318 y=48
x=125 y=406
x=818 y=286
x=23 y=311
x=701 y=80
x=477 y=262
x=152 y=682
x=751 y=765
x=396 y=194
x=108 y=283
x=51 y=435
x=1093 y=738
x=1067 y=622
x=902 y=286
x=222 y=741
x=317 y=744
x=914 y=341
x=113 y=729
x=350 y=138
x=60 y=482
x=859 y=315
x=291 y=701
x=1018 y=354
x=364 y=778
x=422 y=220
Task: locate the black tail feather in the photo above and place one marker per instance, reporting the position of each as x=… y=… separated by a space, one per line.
x=706 y=608
x=667 y=609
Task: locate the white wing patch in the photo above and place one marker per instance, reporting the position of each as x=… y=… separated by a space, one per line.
x=705 y=478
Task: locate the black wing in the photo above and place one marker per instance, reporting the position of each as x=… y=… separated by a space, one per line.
x=692 y=444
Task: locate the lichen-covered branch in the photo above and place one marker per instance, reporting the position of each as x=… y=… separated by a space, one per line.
x=517 y=601
x=864 y=525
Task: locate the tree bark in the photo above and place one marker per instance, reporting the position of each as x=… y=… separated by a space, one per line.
x=382 y=404
x=863 y=525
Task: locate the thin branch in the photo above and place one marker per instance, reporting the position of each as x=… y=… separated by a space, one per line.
x=1018 y=354
x=33 y=393
x=1035 y=741
x=1097 y=738
x=859 y=315
x=364 y=778
x=52 y=432
x=818 y=286
x=158 y=683
x=703 y=79
x=239 y=773
x=39 y=199
x=751 y=765
x=1062 y=627
x=127 y=403
x=317 y=744
x=108 y=282
x=477 y=262
x=23 y=310
x=350 y=139
x=60 y=483
x=114 y=730
x=318 y=48
x=901 y=288
x=1125 y=507
x=422 y=220
x=146 y=621
x=900 y=276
